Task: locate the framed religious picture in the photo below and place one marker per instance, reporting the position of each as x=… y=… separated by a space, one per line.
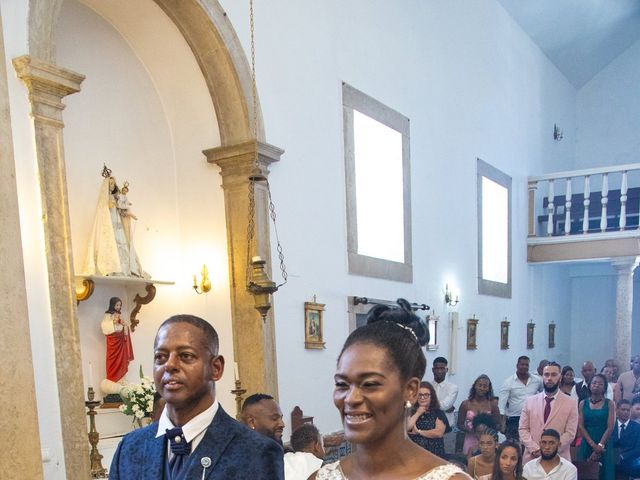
x=504 y=334
x=552 y=335
x=472 y=331
x=530 y=328
x=313 y=325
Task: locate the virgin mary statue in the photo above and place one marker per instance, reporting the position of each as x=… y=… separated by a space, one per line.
x=111 y=251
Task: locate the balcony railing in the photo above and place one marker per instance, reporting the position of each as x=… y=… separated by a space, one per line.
x=598 y=202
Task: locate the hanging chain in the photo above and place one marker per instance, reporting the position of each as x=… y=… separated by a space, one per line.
x=254 y=88
x=251 y=227
x=272 y=213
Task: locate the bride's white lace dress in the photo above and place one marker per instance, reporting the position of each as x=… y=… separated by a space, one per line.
x=333 y=471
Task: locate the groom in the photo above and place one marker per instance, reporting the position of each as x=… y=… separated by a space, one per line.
x=195 y=438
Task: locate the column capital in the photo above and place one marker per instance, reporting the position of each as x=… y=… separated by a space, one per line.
x=47 y=84
x=236 y=161
x=625 y=265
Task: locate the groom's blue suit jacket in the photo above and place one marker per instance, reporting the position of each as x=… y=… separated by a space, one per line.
x=235 y=451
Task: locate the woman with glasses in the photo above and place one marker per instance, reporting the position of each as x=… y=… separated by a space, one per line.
x=428 y=423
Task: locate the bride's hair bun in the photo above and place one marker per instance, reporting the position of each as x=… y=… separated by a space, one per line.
x=404 y=317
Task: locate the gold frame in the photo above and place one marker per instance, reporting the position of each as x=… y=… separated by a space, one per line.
x=313 y=325
x=472 y=333
x=530 y=329
x=504 y=335
x=552 y=335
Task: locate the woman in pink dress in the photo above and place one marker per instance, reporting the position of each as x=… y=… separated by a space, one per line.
x=481 y=400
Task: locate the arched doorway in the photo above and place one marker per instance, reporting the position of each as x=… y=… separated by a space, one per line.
x=223 y=64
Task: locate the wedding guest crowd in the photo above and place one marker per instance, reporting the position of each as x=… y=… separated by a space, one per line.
x=395 y=421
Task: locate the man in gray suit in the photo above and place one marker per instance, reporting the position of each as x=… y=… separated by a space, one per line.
x=194 y=438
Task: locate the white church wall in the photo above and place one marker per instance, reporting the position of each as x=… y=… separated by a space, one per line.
x=608 y=119
x=608 y=114
x=473 y=85
x=593 y=313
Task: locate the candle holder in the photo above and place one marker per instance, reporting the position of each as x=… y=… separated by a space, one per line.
x=238 y=392
x=97 y=470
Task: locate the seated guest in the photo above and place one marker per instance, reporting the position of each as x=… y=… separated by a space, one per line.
x=567 y=381
x=482 y=464
x=549 y=464
x=307 y=455
x=481 y=423
x=626 y=442
x=427 y=424
x=377 y=381
x=260 y=412
x=194 y=438
x=508 y=464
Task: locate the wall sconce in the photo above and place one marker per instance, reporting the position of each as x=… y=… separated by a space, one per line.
x=448 y=297
x=205 y=283
x=557 y=133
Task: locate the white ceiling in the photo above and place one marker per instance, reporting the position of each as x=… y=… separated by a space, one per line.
x=580 y=37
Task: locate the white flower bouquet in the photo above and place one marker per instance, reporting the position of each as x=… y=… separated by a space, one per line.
x=137 y=398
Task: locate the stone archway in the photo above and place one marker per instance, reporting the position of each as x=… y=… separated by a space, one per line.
x=219 y=54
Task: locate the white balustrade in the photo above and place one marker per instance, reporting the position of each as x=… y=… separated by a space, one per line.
x=604 y=200
x=623 y=201
x=586 y=202
x=613 y=178
x=550 y=208
x=567 y=208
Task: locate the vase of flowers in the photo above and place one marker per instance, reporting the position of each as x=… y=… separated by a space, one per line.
x=137 y=400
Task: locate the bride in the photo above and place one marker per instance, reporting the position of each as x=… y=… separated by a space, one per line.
x=377 y=380
x=111 y=251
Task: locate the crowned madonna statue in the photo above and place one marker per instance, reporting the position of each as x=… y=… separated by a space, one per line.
x=111 y=249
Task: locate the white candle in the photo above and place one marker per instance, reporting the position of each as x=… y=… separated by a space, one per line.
x=257 y=258
x=90 y=375
x=235 y=370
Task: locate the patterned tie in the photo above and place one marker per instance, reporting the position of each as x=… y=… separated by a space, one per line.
x=180 y=449
x=547 y=408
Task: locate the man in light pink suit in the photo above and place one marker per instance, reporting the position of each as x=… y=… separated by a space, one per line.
x=550 y=408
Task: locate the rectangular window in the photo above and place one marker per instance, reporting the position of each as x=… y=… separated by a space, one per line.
x=376 y=142
x=494 y=231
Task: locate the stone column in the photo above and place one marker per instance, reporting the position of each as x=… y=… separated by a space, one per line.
x=19 y=457
x=624 y=267
x=253 y=340
x=47 y=85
